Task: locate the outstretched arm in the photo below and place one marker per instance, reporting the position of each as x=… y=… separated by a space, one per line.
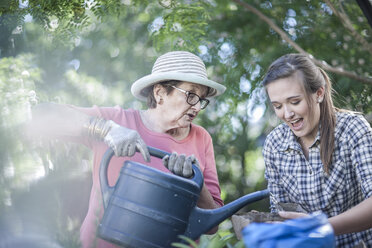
x=356 y=219
x=55 y=120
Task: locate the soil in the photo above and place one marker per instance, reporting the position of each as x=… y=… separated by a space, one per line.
x=239 y=221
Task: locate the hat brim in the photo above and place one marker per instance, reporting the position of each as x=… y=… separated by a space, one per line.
x=146 y=81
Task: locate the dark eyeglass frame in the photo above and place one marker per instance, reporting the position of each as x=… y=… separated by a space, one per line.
x=203 y=102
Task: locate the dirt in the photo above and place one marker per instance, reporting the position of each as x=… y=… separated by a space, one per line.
x=239 y=221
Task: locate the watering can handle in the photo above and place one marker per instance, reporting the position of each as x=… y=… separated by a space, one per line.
x=107 y=190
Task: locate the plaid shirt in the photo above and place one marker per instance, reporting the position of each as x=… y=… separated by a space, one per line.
x=293 y=178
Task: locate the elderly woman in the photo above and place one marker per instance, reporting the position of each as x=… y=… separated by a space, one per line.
x=175 y=91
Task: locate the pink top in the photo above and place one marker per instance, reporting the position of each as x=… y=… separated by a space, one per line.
x=198 y=142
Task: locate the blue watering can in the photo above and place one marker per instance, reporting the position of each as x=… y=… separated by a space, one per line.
x=148 y=208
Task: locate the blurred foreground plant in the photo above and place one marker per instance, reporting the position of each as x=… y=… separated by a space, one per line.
x=217 y=240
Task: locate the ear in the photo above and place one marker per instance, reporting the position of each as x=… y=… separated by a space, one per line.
x=320 y=94
x=159 y=93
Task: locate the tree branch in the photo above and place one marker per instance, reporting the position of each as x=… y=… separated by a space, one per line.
x=345 y=20
x=285 y=37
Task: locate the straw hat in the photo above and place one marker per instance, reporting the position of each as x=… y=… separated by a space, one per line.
x=177 y=65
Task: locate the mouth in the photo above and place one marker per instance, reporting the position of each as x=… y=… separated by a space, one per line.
x=296 y=124
x=191 y=116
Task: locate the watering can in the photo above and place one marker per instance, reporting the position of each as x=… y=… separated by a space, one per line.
x=148 y=208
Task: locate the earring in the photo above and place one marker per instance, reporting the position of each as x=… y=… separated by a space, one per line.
x=319 y=100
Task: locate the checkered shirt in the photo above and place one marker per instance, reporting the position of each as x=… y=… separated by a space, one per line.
x=293 y=178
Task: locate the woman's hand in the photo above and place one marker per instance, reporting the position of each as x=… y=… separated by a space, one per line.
x=125 y=141
x=180 y=164
x=291 y=215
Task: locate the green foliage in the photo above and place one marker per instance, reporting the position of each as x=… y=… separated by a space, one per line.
x=236 y=45
x=11 y=20
x=90 y=52
x=62 y=21
x=17 y=86
x=27 y=205
x=18 y=77
x=217 y=240
x=184 y=25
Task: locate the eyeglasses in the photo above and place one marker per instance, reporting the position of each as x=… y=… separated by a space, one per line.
x=193 y=98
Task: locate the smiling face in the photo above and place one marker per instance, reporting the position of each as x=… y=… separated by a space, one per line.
x=289 y=100
x=175 y=109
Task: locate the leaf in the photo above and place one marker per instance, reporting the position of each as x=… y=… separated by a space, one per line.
x=188 y=240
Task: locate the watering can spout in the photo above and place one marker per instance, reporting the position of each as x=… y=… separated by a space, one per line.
x=202 y=220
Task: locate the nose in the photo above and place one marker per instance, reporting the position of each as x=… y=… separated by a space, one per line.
x=288 y=113
x=197 y=107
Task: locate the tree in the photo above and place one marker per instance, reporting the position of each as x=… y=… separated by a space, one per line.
x=89 y=52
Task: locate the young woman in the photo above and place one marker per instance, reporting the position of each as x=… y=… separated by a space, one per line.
x=175 y=91
x=320 y=157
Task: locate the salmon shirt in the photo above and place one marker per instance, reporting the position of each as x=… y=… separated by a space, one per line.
x=198 y=143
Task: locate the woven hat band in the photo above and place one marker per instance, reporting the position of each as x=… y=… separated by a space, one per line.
x=183 y=62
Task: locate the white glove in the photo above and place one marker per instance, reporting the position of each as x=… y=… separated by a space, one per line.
x=180 y=165
x=125 y=141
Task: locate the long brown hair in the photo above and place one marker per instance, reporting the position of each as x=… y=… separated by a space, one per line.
x=313 y=78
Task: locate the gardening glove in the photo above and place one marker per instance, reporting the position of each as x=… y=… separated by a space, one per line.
x=180 y=164
x=125 y=141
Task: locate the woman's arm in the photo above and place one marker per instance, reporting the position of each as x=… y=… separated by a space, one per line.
x=359 y=140
x=210 y=195
x=206 y=200
x=356 y=219
x=54 y=121
x=182 y=166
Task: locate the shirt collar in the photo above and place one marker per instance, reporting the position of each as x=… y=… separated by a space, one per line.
x=317 y=138
x=290 y=141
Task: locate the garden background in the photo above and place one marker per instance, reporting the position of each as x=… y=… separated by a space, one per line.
x=88 y=52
